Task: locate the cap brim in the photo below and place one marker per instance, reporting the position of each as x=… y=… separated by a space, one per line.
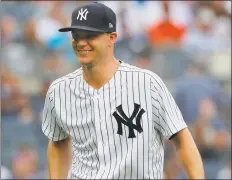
x=71 y=28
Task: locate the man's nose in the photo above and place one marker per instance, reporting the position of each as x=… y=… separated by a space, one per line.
x=82 y=42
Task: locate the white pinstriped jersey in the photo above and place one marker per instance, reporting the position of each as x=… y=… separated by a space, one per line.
x=117 y=131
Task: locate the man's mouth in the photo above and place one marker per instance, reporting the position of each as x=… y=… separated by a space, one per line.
x=84 y=51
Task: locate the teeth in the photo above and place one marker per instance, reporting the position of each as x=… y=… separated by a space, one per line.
x=84 y=50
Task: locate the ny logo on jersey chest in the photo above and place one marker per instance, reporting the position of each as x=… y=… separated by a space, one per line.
x=127 y=121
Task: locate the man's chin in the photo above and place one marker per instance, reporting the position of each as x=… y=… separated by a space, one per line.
x=86 y=62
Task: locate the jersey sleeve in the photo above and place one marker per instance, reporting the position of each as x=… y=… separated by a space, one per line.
x=50 y=126
x=167 y=117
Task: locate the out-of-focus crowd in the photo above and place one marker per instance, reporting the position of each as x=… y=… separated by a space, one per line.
x=187 y=43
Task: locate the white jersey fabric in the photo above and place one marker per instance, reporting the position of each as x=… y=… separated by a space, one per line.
x=117 y=131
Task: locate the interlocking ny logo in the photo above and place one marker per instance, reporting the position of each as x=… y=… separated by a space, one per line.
x=123 y=119
x=82 y=14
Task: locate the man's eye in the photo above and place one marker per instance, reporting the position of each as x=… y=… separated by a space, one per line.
x=91 y=36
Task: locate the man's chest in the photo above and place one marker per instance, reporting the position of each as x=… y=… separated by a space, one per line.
x=121 y=112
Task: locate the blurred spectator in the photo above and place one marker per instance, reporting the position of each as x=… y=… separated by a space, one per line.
x=47 y=26
x=143 y=61
x=29 y=33
x=136 y=25
x=143 y=58
x=27 y=50
x=166 y=32
x=11 y=98
x=130 y=25
x=8 y=32
x=27 y=115
x=210 y=133
x=213 y=141
x=46 y=31
x=54 y=66
x=200 y=38
x=222 y=25
x=20 y=10
x=24 y=163
x=194 y=86
x=19 y=58
x=212 y=137
x=5 y=173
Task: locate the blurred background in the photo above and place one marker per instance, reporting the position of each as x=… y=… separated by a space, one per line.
x=187 y=43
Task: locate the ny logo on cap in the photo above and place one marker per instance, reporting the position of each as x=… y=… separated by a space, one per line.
x=82 y=14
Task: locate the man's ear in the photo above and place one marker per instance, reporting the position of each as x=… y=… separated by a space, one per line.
x=113 y=37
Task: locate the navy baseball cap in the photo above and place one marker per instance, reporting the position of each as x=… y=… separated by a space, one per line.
x=92 y=17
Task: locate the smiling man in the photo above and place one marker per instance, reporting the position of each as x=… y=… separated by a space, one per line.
x=109 y=119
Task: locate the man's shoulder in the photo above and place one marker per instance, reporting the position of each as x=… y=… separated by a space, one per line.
x=66 y=78
x=148 y=73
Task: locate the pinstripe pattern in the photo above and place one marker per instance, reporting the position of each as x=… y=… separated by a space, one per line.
x=73 y=108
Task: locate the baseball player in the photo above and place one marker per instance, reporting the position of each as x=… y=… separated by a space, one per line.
x=109 y=119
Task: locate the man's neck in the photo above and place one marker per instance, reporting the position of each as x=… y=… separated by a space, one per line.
x=99 y=74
